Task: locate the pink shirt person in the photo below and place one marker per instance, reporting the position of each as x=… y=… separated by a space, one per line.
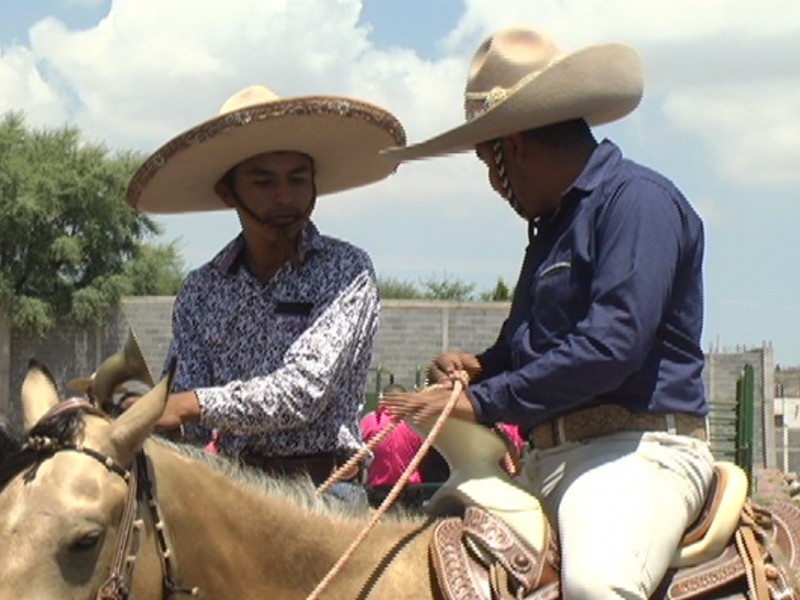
x=394 y=453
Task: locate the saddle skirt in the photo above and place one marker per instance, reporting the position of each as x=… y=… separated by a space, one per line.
x=478 y=557
x=503 y=546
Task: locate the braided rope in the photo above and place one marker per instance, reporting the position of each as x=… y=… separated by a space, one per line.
x=359 y=456
x=459 y=383
x=502 y=174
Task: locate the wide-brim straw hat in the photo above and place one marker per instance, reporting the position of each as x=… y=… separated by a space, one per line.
x=519 y=79
x=342 y=135
x=81 y=384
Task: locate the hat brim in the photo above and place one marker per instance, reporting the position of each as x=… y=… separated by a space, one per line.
x=599 y=84
x=80 y=384
x=343 y=136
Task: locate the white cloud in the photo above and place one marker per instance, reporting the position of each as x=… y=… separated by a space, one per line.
x=719 y=112
x=723 y=71
x=752 y=130
x=86 y=3
x=150 y=69
x=711 y=211
x=22 y=87
x=577 y=23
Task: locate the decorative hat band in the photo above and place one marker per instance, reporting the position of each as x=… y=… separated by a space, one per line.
x=477 y=103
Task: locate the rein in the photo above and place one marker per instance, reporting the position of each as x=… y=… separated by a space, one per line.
x=459 y=382
x=140 y=488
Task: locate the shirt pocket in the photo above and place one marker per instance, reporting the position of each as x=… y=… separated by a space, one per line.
x=559 y=302
x=290 y=326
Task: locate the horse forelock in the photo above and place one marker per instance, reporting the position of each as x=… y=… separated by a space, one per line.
x=63 y=428
x=60 y=429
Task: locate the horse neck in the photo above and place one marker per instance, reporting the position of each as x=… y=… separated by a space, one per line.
x=233 y=539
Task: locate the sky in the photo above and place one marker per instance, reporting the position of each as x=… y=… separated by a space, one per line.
x=720 y=116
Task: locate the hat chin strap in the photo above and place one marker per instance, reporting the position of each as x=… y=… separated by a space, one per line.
x=502 y=174
x=241 y=204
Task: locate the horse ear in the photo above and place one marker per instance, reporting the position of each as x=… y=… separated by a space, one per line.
x=130 y=430
x=39 y=393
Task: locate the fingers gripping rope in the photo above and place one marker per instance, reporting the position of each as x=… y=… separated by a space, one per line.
x=460 y=380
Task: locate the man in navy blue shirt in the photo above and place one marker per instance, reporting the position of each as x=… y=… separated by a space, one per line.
x=599 y=359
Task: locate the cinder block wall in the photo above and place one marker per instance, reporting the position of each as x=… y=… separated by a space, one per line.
x=722 y=371
x=410 y=334
x=150 y=317
x=67 y=353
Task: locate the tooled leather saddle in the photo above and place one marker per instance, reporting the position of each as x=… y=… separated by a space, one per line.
x=479 y=557
x=488 y=552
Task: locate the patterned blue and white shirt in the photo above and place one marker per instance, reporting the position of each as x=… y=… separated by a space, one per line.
x=280 y=367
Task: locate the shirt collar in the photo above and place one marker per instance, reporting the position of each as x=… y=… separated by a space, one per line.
x=605 y=157
x=230 y=257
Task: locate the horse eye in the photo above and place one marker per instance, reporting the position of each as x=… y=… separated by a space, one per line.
x=86 y=542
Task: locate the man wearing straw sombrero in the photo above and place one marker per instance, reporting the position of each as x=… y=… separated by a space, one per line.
x=274 y=334
x=599 y=359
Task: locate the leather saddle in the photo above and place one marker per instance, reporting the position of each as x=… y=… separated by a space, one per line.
x=500 y=544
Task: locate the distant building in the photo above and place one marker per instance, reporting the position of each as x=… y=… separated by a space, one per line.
x=787 y=382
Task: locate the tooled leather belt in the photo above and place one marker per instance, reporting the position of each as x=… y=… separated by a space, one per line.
x=605 y=419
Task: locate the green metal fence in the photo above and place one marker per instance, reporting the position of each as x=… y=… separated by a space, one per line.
x=745 y=419
x=381 y=377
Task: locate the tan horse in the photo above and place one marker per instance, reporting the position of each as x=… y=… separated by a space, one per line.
x=231 y=533
x=95 y=508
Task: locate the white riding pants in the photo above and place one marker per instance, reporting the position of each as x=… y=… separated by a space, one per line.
x=621 y=503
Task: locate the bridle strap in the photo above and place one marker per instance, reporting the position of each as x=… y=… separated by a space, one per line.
x=140 y=487
x=118 y=584
x=170 y=579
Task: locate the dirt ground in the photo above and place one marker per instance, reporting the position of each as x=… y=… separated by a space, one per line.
x=771 y=485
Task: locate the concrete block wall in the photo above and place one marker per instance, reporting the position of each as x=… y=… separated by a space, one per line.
x=788 y=450
x=722 y=371
x=67 y=353
x=151 y=319
x=788 y=381
x=410 y=334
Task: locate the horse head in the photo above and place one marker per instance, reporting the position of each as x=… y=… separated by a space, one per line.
x=62 y=496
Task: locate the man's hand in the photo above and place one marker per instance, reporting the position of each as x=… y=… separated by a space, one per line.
x=424 y=406
x=444 y=365
x=182 y=407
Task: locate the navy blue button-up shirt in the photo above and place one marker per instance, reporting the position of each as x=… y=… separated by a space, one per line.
x=609 y=303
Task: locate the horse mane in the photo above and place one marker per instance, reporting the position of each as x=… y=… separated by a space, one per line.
x=299 y=490
x=8 y=441
x=67 y=428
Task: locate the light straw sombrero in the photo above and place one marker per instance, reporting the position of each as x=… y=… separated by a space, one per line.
x=81 y=384
x=342 y=135
x=519 y=79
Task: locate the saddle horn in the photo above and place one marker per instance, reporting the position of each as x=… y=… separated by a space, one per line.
x=128 y=363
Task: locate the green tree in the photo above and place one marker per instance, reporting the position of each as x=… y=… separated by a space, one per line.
x=447 y=288
x=500 y=293
x=70 y=246
x=156 y=270
x=391 y=288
